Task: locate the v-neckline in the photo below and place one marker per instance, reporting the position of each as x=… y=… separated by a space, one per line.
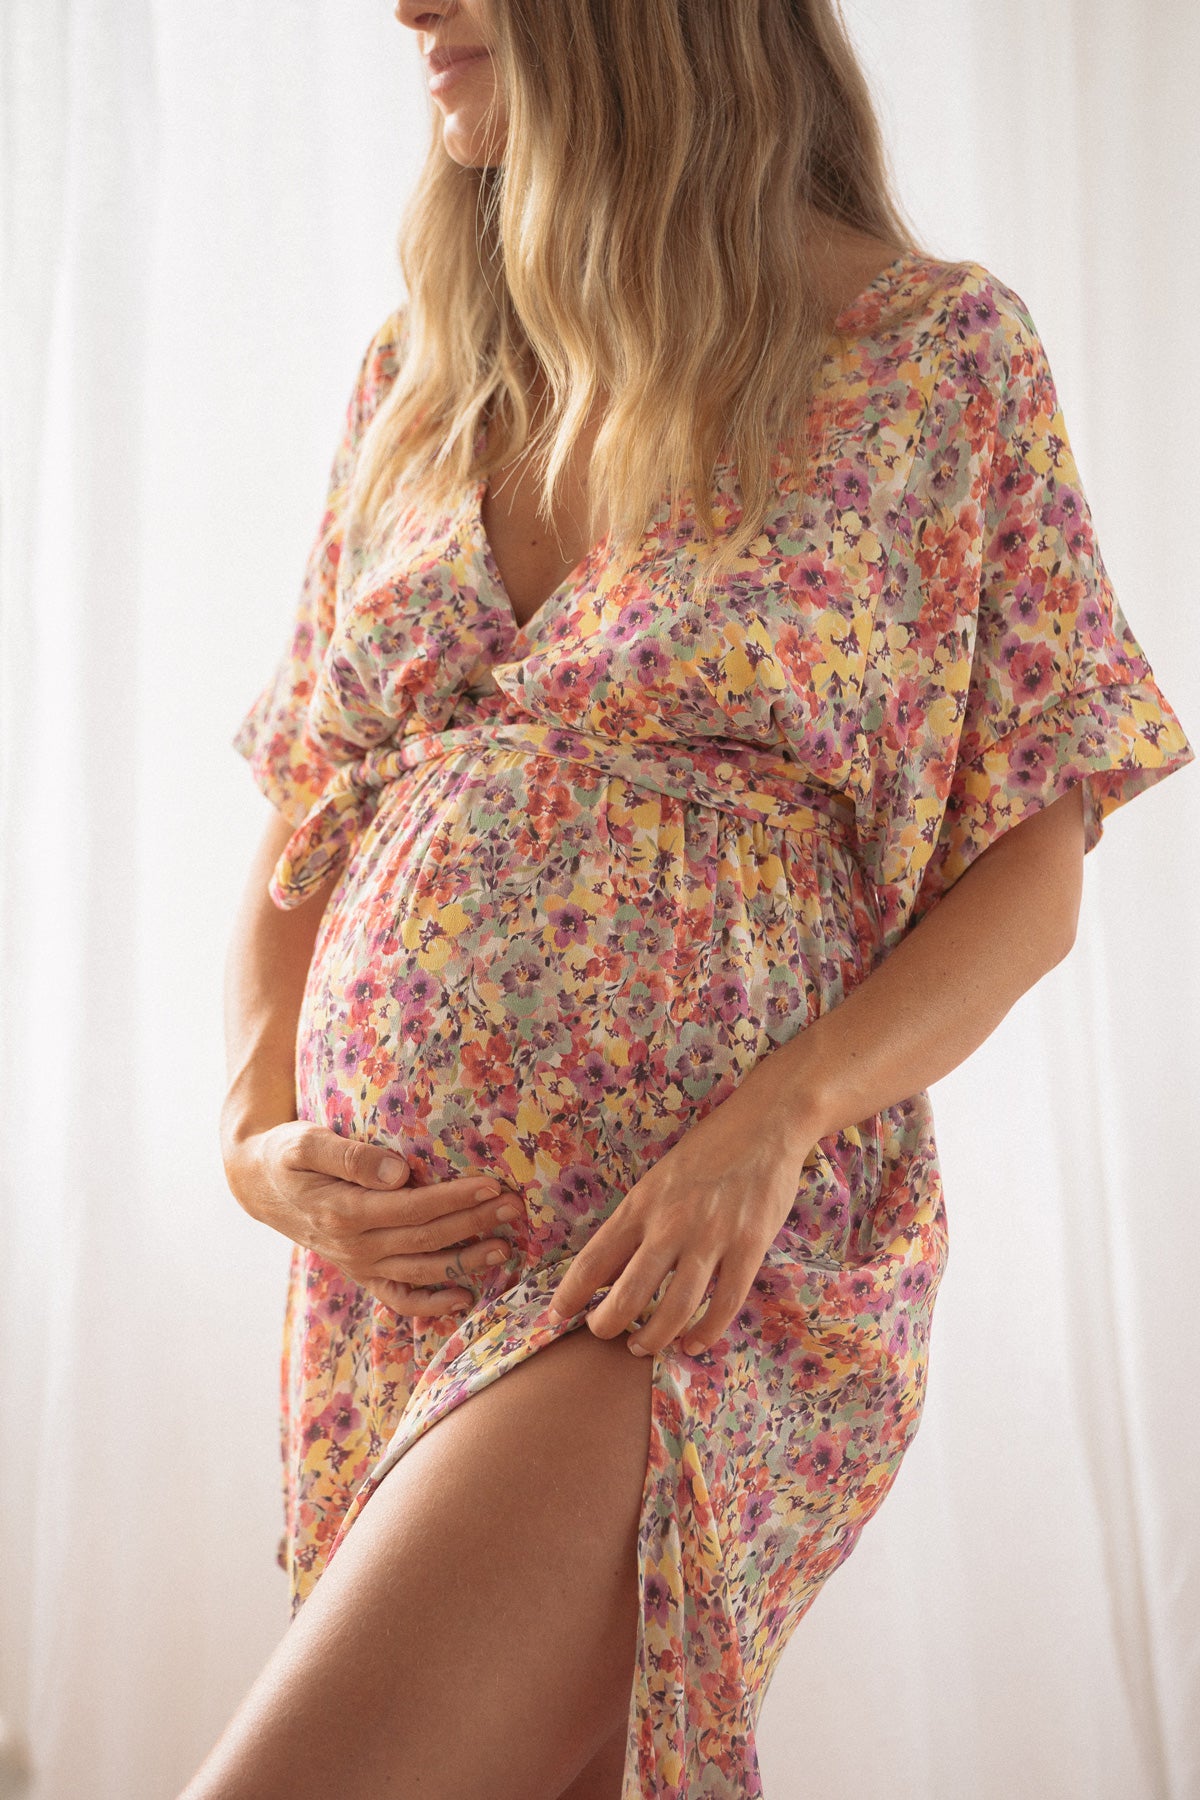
x=572 y=579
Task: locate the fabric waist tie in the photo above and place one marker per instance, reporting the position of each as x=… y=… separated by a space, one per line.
x=752 y=784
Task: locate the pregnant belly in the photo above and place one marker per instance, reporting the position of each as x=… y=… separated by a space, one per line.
x=550 y=982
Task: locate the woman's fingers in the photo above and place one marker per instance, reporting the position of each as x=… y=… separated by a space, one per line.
x=325 y=1152
x=687 y=1288
x=733 y=1284
x=400 y=1237
x=433 y=1303
x=412 y=1206
x=632 y=1291
x=383 y=1176
x=596 y=1264
x=452 y=1265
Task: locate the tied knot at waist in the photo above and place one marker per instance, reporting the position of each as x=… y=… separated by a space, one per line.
x=751 y=784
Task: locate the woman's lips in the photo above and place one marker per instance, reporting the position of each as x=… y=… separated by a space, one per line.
x=442 y=78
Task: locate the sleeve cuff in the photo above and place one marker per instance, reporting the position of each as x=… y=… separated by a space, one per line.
x=1118 y=740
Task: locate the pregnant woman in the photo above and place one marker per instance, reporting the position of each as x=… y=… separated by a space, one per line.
x=704 y=689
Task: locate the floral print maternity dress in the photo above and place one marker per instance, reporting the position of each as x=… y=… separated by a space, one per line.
x=591 y=869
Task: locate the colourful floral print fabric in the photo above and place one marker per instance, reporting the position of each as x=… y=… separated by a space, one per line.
x=590 y=870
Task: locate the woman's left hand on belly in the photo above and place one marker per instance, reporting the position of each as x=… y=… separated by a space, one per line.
x=712 y=1204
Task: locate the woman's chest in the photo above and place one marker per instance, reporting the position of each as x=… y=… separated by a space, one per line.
x=772 y=656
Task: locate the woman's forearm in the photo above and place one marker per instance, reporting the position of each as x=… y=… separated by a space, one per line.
x=943 y=989
x=266 y=967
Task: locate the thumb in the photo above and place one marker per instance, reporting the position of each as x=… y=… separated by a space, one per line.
x=356 y=1160
x=390 y=1169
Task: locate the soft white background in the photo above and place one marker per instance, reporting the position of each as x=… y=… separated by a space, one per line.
x=198 y=211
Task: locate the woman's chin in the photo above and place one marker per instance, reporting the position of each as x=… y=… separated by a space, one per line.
x=468 y=139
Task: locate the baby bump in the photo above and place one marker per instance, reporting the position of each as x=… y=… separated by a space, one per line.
x=559 y=1014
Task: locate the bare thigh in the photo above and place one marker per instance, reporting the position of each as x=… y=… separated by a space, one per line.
x=475 y=1633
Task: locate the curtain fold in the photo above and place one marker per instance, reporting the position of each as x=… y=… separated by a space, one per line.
x=197 y=218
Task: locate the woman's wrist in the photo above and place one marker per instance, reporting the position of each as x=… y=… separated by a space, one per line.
x=241 y=1124
x=790 y=1105
x=256 y=1099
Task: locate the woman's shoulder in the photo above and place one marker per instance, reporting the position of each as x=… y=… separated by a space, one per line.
x=965 y=309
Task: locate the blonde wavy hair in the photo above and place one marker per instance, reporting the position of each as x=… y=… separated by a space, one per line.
x=642 y=242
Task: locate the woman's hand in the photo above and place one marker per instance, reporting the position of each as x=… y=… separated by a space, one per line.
x=712 y=1204
x=347 y=1200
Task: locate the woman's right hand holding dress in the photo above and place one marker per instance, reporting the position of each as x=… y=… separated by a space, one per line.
x=413 y=1248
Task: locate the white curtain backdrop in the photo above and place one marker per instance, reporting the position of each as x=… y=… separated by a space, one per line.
x=198 y=206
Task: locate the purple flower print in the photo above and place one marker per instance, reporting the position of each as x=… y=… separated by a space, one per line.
x=578 y=1190
x=756 y=1514
x=634 y=619
x=914 y=1283
x=593 y=1077
x=570 y=925
x=650 y=662
x=852 y=488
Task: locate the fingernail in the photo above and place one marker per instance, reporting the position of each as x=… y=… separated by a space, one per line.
x=693 y=1346
x=508 y=1212
x=639 y=1349
x=556 y=1315
x=391 y=1168
x=495 y=1256
x=487 y=1192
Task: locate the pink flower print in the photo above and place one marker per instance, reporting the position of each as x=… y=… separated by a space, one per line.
x=568 y=686
x=1031 y=670
x=821 y=1462
x=866 y=1294
x=362 y=1000
x=1010 y=545
x=809 y=1368
x=810 y=572
x=1066 y=511
x=650 y=661
x=973 y=314
x=340 y=1112
x=902 y=711
x=488 y=1070
x=693 y=1062
x=835 y=1215
x=1092 y=622
x=340 y=1419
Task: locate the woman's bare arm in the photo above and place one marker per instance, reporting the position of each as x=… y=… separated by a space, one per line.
x=265 y=971
x=947 y=984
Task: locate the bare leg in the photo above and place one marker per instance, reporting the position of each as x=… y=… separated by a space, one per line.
x=601 y=1779
x=475 y=1633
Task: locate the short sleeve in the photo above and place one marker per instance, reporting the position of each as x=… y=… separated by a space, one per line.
x=1003 y=670
x=291 y=769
